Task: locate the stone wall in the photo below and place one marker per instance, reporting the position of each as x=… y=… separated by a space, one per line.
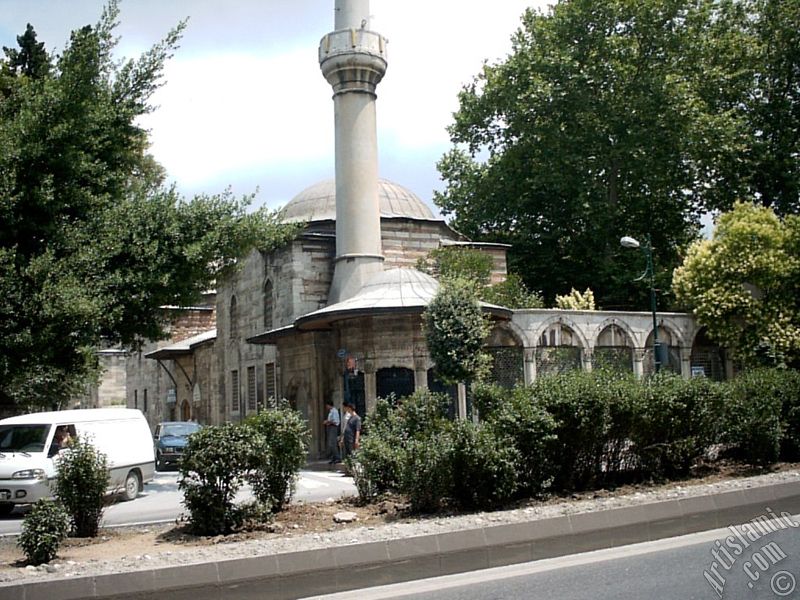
x=150 y=386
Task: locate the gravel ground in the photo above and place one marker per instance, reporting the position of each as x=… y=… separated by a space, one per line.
x=148 y=548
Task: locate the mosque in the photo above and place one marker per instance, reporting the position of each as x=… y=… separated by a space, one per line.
x=336 y=313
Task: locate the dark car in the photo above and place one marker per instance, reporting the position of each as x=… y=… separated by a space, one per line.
x=170 y=440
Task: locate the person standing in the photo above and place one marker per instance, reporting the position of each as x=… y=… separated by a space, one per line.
x=352 y=430
x=332 y=424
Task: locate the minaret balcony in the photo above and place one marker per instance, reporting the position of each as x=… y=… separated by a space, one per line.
x=353 y=59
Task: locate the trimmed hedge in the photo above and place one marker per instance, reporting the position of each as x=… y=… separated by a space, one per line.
x=761 y=414
x=575 y=430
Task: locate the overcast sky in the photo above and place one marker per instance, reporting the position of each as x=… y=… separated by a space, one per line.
x=245 y=104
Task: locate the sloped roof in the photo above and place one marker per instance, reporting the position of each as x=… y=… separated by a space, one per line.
x=183 y=347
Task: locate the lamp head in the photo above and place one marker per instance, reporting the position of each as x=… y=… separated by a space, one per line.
x=629 y=242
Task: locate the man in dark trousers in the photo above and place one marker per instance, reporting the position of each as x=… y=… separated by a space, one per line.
x=352 y=431
x=331 y=424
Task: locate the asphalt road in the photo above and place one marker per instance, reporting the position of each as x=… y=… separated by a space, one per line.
x=161 y=499
x=673 y=569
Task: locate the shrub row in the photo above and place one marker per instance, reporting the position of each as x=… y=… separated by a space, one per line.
x=265 y=451
x=574 y=431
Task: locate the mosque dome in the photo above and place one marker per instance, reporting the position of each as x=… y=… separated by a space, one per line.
x=318 y=203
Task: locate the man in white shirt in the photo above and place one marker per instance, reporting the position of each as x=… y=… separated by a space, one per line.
x=332 y=426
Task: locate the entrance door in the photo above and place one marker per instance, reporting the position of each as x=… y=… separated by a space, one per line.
x=186 y=411
x=354 y=391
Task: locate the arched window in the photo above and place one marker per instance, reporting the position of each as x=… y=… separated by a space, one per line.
x=395 y=380
x=614 y=350
x=268 y=304
x=233 y=315
x=508 y=359
x=673 y=352
x=707 y=357
x=559 y=350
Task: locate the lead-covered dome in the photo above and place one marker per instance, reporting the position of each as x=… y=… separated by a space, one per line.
x=318 y=203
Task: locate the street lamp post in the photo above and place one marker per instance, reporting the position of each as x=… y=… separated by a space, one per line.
x=629 y=242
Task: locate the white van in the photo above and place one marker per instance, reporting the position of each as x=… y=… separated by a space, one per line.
x=29 y=445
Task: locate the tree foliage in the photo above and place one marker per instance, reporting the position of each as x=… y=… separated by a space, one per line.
x=475 y=267
x=576 y=301
x=612 y=118
x=92 y=241
x=744 y=283
x=455 y=330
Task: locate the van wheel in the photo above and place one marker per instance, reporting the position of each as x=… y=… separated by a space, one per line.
x=6 y=508
x=131 y=489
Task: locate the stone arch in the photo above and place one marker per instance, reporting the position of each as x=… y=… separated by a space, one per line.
x=670 y=335
x=621 y=323
x=560 y=346
x=613 y=346
x=675 y=337
x=564 y=321
x=707 y=357
x=507 y=350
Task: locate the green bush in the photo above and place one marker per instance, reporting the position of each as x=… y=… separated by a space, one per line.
x=515 y=417
x=427 y=475
x=275 y=465
x=788 y=384
x=80 y=485
x=754 y=407
x=484 y=466
x=377 y=466
x=43 y=530
x=675 y=421
x=580 y=404
x=420 y=414
x=213 y=467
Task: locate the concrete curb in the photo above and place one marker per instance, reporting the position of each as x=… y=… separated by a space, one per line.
x=336 y=569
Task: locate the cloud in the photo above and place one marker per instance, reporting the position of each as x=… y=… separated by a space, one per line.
x=234 y=111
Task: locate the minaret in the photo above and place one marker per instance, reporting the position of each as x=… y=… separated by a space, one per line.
x=353 y=60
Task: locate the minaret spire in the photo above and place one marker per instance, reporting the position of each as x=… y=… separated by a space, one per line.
x=353 y=60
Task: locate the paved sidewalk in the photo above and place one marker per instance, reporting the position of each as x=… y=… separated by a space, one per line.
x=350 y=566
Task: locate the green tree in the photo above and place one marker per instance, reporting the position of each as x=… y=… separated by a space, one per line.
x=31 y=59
x=743 y=284
x=754 y=69
x=92 y=242
x=455 y=330
x=597 y=125
x=475 y=267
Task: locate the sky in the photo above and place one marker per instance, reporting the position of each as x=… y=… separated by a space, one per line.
x=244 y=104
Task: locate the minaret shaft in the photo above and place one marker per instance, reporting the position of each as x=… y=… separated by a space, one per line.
x=350 y=14
x=353 y=60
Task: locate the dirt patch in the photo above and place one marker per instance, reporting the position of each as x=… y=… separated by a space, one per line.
x=317 y=518
x=122 y=542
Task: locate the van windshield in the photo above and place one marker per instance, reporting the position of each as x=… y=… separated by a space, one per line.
x=179 y=429
x=23 y=438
